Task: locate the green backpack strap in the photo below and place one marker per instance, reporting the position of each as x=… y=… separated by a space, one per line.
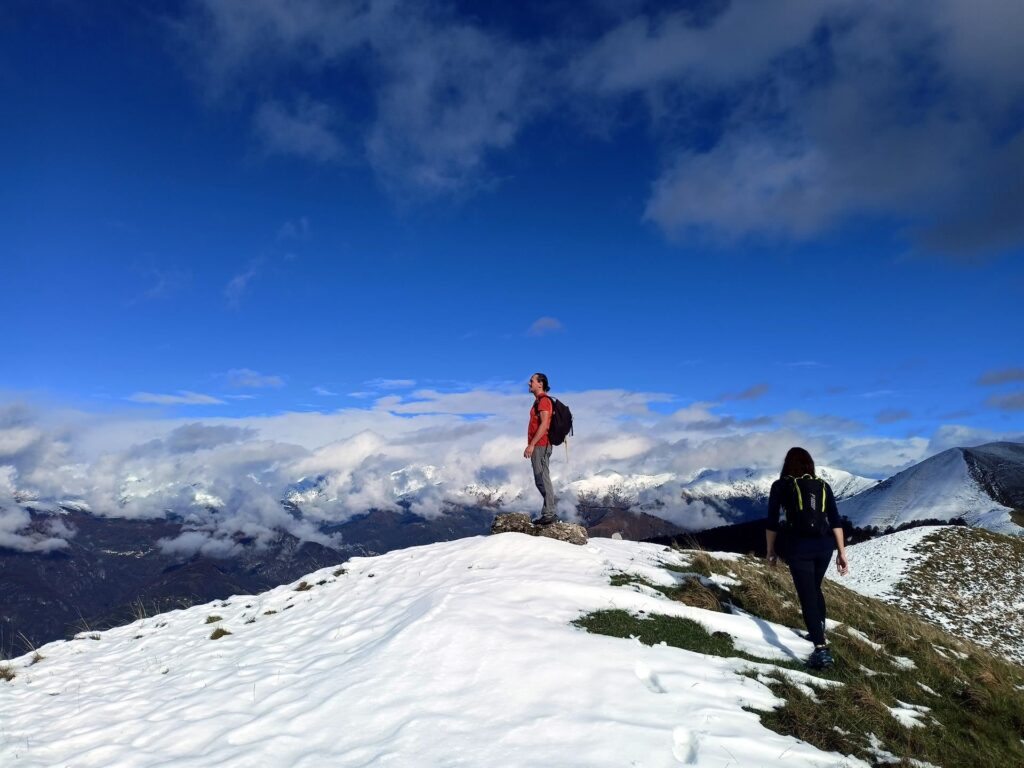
x=800 y=496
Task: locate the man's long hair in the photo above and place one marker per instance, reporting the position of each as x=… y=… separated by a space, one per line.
x=543 y=381
x=798 y=462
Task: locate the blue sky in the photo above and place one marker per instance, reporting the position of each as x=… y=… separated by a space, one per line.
x=286 y=206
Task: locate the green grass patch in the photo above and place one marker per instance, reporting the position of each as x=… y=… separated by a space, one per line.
x=218 y=633
x=653 y=629
x=214 y=619
x=625 y=579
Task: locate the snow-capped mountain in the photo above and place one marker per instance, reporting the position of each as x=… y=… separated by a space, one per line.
x=983 y=485
x=740 y=495
x=756 y=483
x=722 y=485
x=613 y=486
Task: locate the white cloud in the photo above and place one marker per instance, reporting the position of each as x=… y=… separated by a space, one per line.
x=545 y=325
x=1014 y=401
x=391 y=383
x=295 y=229
x=183 y=397
x=644 y=52
x=750 y=393
x=445 y=91
x=820 y=132
x=305 y=130
x=827 y=109
x=164 y=282
x=246 y=377
x=960 y=436
x=1001 y=376
x=15 y=439
x=15 y=530
x=189 y=543
x=238 y=285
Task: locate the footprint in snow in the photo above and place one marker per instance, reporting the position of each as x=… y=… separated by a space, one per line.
x=649 y=678
x=687 y=744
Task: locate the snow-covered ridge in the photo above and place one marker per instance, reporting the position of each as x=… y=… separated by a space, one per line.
x=756 y=483
x=942 y=487
x=611 y=484
x=460 y=653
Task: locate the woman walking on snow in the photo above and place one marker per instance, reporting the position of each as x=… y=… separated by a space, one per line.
x=812 y=532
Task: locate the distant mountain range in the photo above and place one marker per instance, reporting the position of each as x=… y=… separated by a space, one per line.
x=742 y=495
x=114 y=568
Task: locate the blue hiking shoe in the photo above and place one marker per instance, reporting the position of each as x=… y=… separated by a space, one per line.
x=821 y=658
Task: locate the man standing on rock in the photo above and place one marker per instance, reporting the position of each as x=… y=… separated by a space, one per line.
x=538 y=447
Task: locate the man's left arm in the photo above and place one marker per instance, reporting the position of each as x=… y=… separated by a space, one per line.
x=545 y=423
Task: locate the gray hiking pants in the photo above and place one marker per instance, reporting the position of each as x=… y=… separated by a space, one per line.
x=542 y=477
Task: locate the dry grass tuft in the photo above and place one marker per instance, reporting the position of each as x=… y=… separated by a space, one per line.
x=692 y=592
x=865 y=698
x=6 y=673
x=701 y=562
x=218 y=633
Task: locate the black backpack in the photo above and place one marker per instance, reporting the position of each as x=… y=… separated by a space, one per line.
x=809 y=518
x=561 y=420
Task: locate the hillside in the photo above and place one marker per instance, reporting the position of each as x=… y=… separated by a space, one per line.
x=983 y=485
x=966 y=580
x=511 y=651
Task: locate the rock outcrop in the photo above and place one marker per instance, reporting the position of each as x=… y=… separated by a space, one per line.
x=516 y=522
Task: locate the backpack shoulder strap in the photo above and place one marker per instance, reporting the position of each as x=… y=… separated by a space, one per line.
x=800 y=496
x=536 y=405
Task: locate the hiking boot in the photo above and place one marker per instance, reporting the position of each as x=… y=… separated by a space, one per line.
x=543 y=521
x=821 y=658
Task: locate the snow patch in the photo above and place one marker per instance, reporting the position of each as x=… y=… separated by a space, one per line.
x=909 y=715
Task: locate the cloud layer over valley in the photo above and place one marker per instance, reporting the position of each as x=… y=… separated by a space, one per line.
x=228 y=477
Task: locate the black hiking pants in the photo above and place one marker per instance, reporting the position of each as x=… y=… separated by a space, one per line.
x=808 y=572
